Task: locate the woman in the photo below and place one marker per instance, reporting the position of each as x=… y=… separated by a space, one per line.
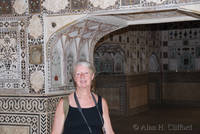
x=93 y=117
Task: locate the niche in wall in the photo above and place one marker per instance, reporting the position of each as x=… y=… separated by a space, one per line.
x=154 y=65
x=109 y=58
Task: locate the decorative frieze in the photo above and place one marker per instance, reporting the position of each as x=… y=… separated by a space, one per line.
x=34 y=112
x=23 y=120
x=25 y=7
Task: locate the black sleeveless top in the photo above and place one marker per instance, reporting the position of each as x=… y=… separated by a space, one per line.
x=75 y=124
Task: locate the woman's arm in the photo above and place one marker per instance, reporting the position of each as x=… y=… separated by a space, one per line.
x=58 y=119
x=106 y=117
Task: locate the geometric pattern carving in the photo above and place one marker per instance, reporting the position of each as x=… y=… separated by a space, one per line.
x=183 y=34
x=44 y=121
x=23 y=104
x=28 y=104
x=35 y=112
x=22 y=120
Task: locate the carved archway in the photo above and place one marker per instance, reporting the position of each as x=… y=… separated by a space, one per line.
x=75 y=42
x=154 y=65
x=109 y=58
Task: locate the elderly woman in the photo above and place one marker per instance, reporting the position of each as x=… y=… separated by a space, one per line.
x=88 y=112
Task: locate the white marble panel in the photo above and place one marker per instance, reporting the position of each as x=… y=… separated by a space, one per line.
x=55 y=5
x=20 y=6
x=35 y=26
x=5 y=129
x=103 y=3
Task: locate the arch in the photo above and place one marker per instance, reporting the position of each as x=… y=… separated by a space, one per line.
x=154 y=65
x=56 y=66
x=77 y=41
x=109 y=58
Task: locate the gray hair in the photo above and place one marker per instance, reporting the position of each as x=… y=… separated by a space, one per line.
x=84 y=63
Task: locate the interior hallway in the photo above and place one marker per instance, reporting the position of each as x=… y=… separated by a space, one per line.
x=159 y=120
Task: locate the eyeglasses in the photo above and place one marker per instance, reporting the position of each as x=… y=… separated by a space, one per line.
x=79 y=74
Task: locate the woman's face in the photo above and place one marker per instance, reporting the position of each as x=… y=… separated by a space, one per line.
x=83 y=76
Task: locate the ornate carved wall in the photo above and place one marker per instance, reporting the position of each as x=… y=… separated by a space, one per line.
x=130 y=48
x=28 y=31
x=13 y=54
x=172 y=47
x=154 y=72
x=29 y=114
x=109 y=58
x=180 y=47
x=72 y=45
x=39 y=42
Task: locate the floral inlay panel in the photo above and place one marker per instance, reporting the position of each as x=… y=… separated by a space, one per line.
x=13 y=71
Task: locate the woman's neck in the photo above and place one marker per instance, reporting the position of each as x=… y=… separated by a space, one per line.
x=83 y=93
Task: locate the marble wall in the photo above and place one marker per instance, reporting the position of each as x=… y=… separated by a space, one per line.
x=13 y=67
x=129 y=48
x=180 y=48
x=174 y=88
x=148 y=48
x=27 y=114
x=37 y=26
x=172 y=47
x=41 y=39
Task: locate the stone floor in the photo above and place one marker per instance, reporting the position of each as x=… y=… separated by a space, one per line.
x=159 y=120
